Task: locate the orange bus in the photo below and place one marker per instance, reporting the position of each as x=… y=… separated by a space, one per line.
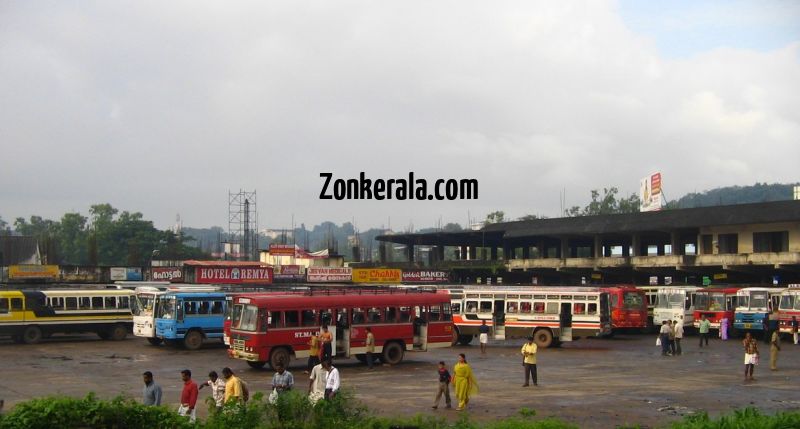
x=276 y=328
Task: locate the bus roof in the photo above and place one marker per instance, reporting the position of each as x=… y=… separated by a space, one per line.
x=531 y=289
x=760 y=289
x=348 y=299
x=195 y=294
x=730 y=290
x=87 y=292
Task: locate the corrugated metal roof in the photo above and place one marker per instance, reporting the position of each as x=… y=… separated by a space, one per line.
x=19 y=250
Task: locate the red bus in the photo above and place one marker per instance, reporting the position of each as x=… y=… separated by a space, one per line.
x=716 y=304
x=628 y=307
x=276 y=328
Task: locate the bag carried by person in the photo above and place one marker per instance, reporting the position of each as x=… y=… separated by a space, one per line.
x=658 y=341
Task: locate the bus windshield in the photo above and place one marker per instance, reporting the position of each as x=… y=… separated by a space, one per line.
x=670 y=300
x=758 y=300
x=143 y=305
x=167 y=309
x=632 y=300
x=787 y=302
x=247 y=319
x=717 y=302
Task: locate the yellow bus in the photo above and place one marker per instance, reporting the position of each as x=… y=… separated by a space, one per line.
x=29 y=316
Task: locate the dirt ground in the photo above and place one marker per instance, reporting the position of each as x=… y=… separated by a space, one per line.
x=591 y=382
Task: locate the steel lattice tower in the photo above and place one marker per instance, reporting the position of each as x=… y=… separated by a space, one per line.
x=243 y=223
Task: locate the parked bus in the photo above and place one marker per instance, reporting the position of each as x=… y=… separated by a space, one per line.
x=190 y=317
x=651 y=294
x=144 y=306
x=675 y=303
x=628 y=307
x=29 y=316
x=546 y=313
x=756 y=307
x=789 y=307
x=716 y=304
x=277 y=328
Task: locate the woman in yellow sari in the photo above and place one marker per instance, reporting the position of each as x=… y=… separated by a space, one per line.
x=464 y=382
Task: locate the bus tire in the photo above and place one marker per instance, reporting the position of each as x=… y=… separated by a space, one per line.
x=256 y=364
x=155 y=341
x=279 y=355
x=32 y=335
x=464 y=340
x=543 y=338
x=118 y=332
x=393 y=353
x=193 y=340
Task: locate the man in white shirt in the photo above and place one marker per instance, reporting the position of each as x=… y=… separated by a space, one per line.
x=317 y=382
x=217 y=385
x=332 y=382
x=678 y=335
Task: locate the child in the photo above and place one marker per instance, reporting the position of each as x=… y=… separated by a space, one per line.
x=444 y=386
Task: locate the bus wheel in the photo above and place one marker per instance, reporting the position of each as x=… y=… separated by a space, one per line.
x=393 y=353
x=543 y=338
x=256 y=365
x=464 y=340
x=32 y=335
x=154 y=341
x=193 y=340
x=279 y=355
x=118 y=332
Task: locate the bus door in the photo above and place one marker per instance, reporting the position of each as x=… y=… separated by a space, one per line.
x=565 y=321
x=420 y=324
x=499 y=317
x=341 y=337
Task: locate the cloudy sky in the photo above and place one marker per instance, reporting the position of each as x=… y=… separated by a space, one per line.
x=163 y=107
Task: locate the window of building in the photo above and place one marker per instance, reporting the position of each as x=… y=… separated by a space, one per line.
x=707 y=241
x=728 y=243
x=777 y=241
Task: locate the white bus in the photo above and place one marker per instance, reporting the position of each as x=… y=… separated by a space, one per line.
x=548 y=314
x=145 y=306
x=675 y=303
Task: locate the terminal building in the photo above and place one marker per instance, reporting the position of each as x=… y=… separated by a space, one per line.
x=742 y=244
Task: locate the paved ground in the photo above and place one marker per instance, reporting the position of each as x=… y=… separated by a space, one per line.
x=594 y=383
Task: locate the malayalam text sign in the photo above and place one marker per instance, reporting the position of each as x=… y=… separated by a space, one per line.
x=167 y=274
x=329 y=274
x=33 y=272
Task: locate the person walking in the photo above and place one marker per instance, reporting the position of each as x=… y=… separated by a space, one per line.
x=316 y=384
x=370 y=343
x=678 y=337
x=794 y=325
x=774 y=348
x=444 y=387
x=750 y=355
x=332 y=380
x=663 y=337
x=217 y=386
x=528 y=351
x=313 y=352
x=464 y=381
x=724 y=324
x=703 y=328
x=326 y=338
x=282 y=381
x=672 y=324
x=233 y=387
x=188 y=396
x=483 y=337
x=151 y=394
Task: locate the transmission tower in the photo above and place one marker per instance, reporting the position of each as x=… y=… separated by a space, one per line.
x=243 y=224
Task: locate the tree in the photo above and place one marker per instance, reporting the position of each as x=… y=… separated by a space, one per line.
x=495 y=217
x=72 y=238
x=607 y=204
x=4 y=229
x=532 y=217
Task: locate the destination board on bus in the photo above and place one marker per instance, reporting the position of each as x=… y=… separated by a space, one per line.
x=329 y=274
x=377 y=275
x=426 y=276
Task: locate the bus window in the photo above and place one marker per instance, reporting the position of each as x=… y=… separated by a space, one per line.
x=551 y=308
x=486 y=307
x=205 y=306
x=435 y=313
x=592 y=309
x=16 y=304
x=422 y=314
x=217 y=306
x=72 y=303
x=472 y=306
x=511 y=307
x=579 y=308
x=3 y=305
x=374 y=315
x=123 y=302
x=85 y=302
x=190 y=309
x=274 y=319
x=391 y=314
x=291 y=319
x=97 y=302
x=456 y=307
x=525 y=307
x=405 y=314
x=110 y=302
x=614 y=301
x=446 y=315
x=341 y=318
x=309 y=318
x=326 y=317
x=358 y=316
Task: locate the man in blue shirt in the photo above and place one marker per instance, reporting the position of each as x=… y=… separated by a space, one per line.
x=484 y=336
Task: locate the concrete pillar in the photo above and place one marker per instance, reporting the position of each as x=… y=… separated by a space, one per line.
x=473 y=253
x=494 y=253
x=564 y=250
x=382 y=253
x=636 y=245
x=598 y=247
x=526 y=252
x=660 y=249
x=675 y=242
x=410 y=253
x=542 y=248
x=440 y=253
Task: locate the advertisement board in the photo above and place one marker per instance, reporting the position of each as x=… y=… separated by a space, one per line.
x=19 y=272
x=282 y=249
x=650 y=193
x=125 y=274
x=426 y=276
x=81 y=274
x=167 y=274
x=289 y=272
x=329 y=274
x=233 y=275
x=377 y=275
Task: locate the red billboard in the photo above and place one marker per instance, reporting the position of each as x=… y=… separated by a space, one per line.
x=423 y=276
x=233 y=275
x=167 y=274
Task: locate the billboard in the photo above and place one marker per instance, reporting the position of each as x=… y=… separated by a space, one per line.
x=233 y=275
x=125 y=274
x=423 y=276
x=650 y=193
x=377 y=275
x=282 y=249
x=329 y=274
x=289 y=272
x=81 y=274
x=19 y=272
x=167 y=274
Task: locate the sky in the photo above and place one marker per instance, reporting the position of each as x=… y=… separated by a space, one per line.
x=165 y=107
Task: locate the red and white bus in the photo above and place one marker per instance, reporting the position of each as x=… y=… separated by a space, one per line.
x=628 y=307
x=276 y=328
x=789 y=307
x=553 y=313
x=715 y=303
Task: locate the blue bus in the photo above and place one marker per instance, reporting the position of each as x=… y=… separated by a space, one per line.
x=755 y=309
x=190 y=317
